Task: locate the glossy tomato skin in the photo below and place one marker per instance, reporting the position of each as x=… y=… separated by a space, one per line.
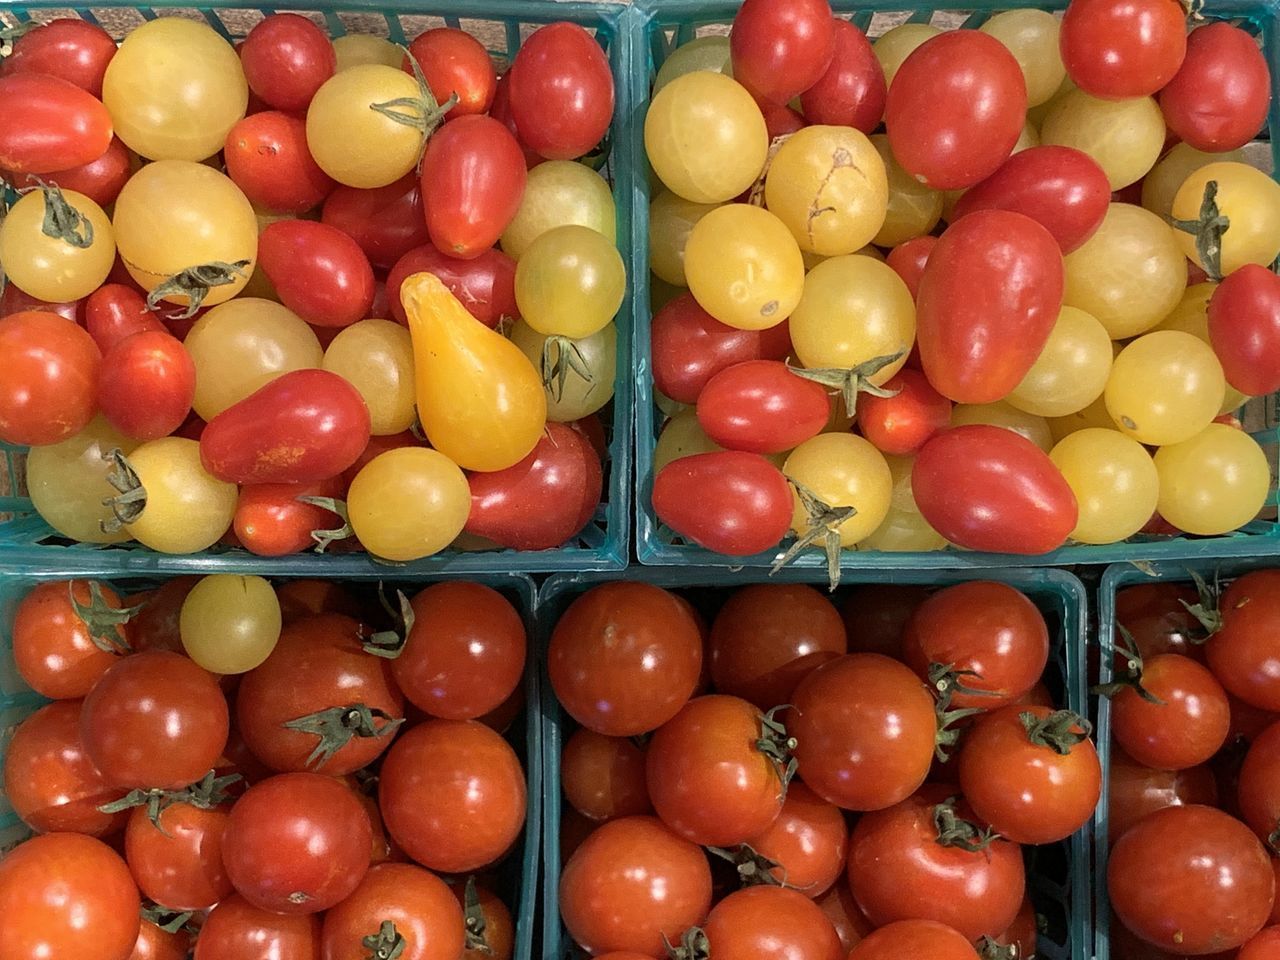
x=1061 y=188
x=452 y=794
x=177 y=861
x=730 y=502
x=985 y=627
x=903 y=423
x=630 y=884
x=303 y=426
x=955 y=109
x=485 y=285
x=297 y=843
x=852 y=92
x=147 y=383
x=1244 y=329
x=387 y=222
x=1186 y=728
x=419 y=903
x=156 y=944
x=987 y=488
x=988 y=299
x=1116 y=49
x=908 y=260
x=808 y=841
x=267 y=156
x=70 y=48
x=1217 y=101
x=914 y=938
x=604 y=777
x=100 y=180
x=13 y=300
x=236 y=929
x=456 y=63
x=1263 y=946
x=115 y=311
x=760 y=406
x=50 y=124
x=1135 y=790
x=66 y=895
x=1191 y=880
x=1259 y=791
x=54 y=649
x=1158 y=621
x=499 y=928
x=865 y=727
x=771 y=923
x=286 y=59
x=781 y=50
x=271 y=520
x=49 y=391
x=561 y=92
x=321 y=274
x=1242 y=654
x=638 y=680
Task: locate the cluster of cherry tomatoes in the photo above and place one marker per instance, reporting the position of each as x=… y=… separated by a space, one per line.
x=719 y=823
x=1194 y=795
x=294 y=285
x=894 y=250
x=255 y=770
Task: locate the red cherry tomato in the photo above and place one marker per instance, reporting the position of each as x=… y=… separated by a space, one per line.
x=1262 y=946
x=49 y=390
x=914 y=938
x=13 y=300
x=1242 y=654
x=286 y=59
x=988 y=301
x=909 y=260
x=321 y=274
x=70 y=48
x=771 y=923
x=1135 y=790
x=903 y=423
x=988 y=488
x=1123 y=48
x=875 y=617
x=267 y=156
x=148 y=382
x=50 y=124
x=808 y=841
x=271 y=520
x=604 y=777
x=1244 y=328
x=456 y=64
x=61 y=649
x=387 y=222
x=779 y=119
x=1218 y=99
x=1187 y=725
x=500 y=110
x=486 y=285
x=852 y=92
x=115 y=312
x=419 y=904
x=100 y=180
x=851 y=926
x=157 y=944
x=731 y=502
x=235 y=929
x=177 y=860
x=780 y=50
x=1260 y=785
x=561 y=92
x=760 y=406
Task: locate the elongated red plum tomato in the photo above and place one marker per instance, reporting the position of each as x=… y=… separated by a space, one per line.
x=387 y=222
x=1191 y=880
x=235 y=929
x=780 y=50
x=115 y=311
x=49 y=124
x=1242 y=653
x=286 y=59
x=625 y=657
x=989 y=297
x=914 y=938
x=100 y=180
x=988 y=488
x=1117 y=49
x=760 y=406
x=473 y=178
x=268 y=158
x=852 y=91
x=75 y=50
x=49 y=390
x=865 y=729
x=771 y=923
x=147 y=384
x=1062 y=189
x=561 y=92
x=485 y=285
x=1244 y=329
x=956 y=108
x=689 y=347
x=909 y=259
x=901 y=424
x=303 y=426
x=455 y=63
x=321 y=274
x=1218 y=99
x=1185 y=725
x=631 y=884
x=731 y=502
x=420 y=905
x=543 y=500
x=779 y=119
x=65 y=895
x=1259 y=791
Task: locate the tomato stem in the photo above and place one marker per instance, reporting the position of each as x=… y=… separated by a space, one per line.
x=62 y=221
x=170 y=921
x=779 y=746
x=130 y=500
x=1208 y=229
x=988 y=949
x=694 y=945
x=389 y=644
x=194 y=283
x=852 y=381
x=754 y=868
x=473 y=919
x=386 y=944
x=205 y=794
x=1206 y=609
x=10 y=34
x=555 y=373
x=336 y=727
x=823 y=522
x=1055 y=731
x=102 y=619
x=946 y=682
x=1131 y=676
x=955 y=831
x=422 y=112
x=325 y=537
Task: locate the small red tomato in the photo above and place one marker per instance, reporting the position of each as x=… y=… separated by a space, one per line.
x=49 y=390
x=50 y=124
x=730 y=502
x=13 y=300
x=287 y=58
x=100 y=180
x=114 y=312
x=561 y=92
x=905 y=422
x=456 y=64
x=235 y=929
x=148 y=382
x=1181 y=721
x=177 y=858
x=852 y=92
x=1218 y=99
x=427 y=917
x=65 y=637
x=500 y=110
x=603 y=777
x=780 y=50
x=808 y=842
x=75 y=50
x=387 y=222
x=1115 y=49
x=914 y=938
x=272 y=521
x=1260 y=785
x=485 y=285
x=909 y=259
x=321 y=274
x=779 y=119
x=771 y=923
x=267 y=156
x=760 y=406
x=1242 y=653
x=1244 y=328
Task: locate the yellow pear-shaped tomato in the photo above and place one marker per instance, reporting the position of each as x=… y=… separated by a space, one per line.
x=480 y=400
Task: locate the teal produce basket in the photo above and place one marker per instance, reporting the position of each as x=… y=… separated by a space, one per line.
x=1058 y=875
x=669 y=23
x=517 y=878
x=1114 y=579
x=502 y=25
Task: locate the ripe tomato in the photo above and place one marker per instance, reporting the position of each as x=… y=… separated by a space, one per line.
x=902 y=423
x=236 y=929
x=52 y=124
x=851 y=926
x=65 y=895
x=49 y=781
x=956 y=108
x=267 y=157
x=632 y=885
x=1260 y=786
x=271 y=520
x=914 y=938
x=642 y=676
x=908 y=260
x=1116 y=50
x=1185 y=725
x=923 y=859
x=604 y=777
x=875 y=616
x=100 y=180
x=1191 y=879
x=771 y=923
x=51 y=378
x=729 y=501
x=1217 y=101
x=807 y=841
x=456 y=64
x=987 y=302
x=1262 y=946
x=490 y=930
x=781 y=50
x=66 y=634
x=321 y=274
x=386 y=222
x=465 y=653
x=865 y=726
x=70 y=48
x=286 y=59
x=452 y=794
x=1239 y=653
x=1158 y=622
x=987 y=488
x=1244 y=329
x=760 y=406
x=986 y=635
x=156 y=627
x=561 y=92
x=486 y=285
x=1135 y=791
x=852 y=91
x=177 y=859
x=147 y=383
x=155 y=943
x=115 y=311
x=302 y=708
x=419 y=905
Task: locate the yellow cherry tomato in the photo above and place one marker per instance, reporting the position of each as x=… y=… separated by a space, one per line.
x=703 y=53
x=682 y=436
x=1191 y=315
x=1071 y=371
x=1162 y=183
x=1164 y=388
x=1032 y=37
x=904 y=527
x=354 y=142
x=1002 y=414
x=186 y=509
x=480 y=400
x=578 y=375
x=912 y=209
x=705 y=137
x=671 y=219
x=359 y=49
x=230 y=623
x=557 y=193
x=1124 y=136
x=59 y=268
x=408 y=503
x=570 y=282
x=174 y=89
x=67 y=482
x=1214 y=482
x=1036 y=114
x=376 y=357
x=1114 y=480
x=1094 y=415
x=899 y=43
x=1248 y=198
x=841 y=470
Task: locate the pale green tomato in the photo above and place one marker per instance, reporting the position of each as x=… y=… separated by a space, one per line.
x=899 y=43
x=578 y=375
x=704 y=53
x=681 y=436
x=1001 y=414
x=376 y=357
x=560 y=192
x=358 y=49
x=1114 y=480
x=1032 y=38
x=904 y=528
x=1213 y=483
x=229 y=623
x=1036 y=115
x=671 y=220
x=570 y=282
x=912 y=209
x=842 y=470
x=1165 y=388
x=1162 y=183
x=1071 y=371
x=67 y=482
x=668 y=406
x=1124 y=136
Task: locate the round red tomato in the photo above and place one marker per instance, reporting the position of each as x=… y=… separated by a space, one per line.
x=286 y=59
x=485 y=285
x=50 y=124
x=1264 y=946
x=490 y=930
x=561 y=92
x=875 y=616
x=865 y=729
x=604 y=777
x=771 y=923
x=48 y=780
x=100 y=180
x=780 y=50
x=500 y=110
x=387 y=222
x=760 y=406
x=730 y=502
x=1158 y=622
x=1218 y=99
x=236 y=929
x=852 y=91
x=466 y=651
x=1135 y=791
x=13 y=300
x=157 y=944
x=632 y=885
x=456 y=64
x=909 y=259
x=420 y=907
x=297 y=843
x=452 y=794
x=177 y=860
x=75 y=50
x=955 y=109
x=50 y=387
x=1244 y=328
x=1186 y=723
x=1243 y=654
x=272 y=521
x=1192 y=880
x=851 y=926
x=154 y=720
x=147 y=384
x=624 y=658
x=1116 y=49
x=115 y=311
x=901 y=424
x=914 y=938
x=156 y=625
x=66 y=634
x=1260 y=786
x=307 y=598
x=267 y=156
x=321 y=274
x=808 y=842
x=66 y=895
x=319 y=702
